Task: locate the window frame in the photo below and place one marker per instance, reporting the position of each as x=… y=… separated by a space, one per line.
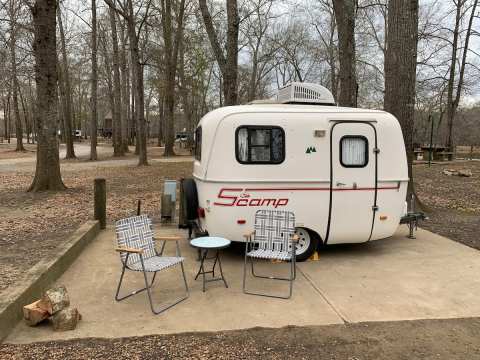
x=198 y=144
x=259 y=127
x=366 y=150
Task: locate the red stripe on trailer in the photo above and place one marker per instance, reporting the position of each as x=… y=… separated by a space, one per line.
x=325 y=189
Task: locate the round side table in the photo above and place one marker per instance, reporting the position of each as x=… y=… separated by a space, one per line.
x=204 y=244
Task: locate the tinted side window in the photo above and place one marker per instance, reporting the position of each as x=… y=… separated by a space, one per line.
x=260 y=144
x=198 y=144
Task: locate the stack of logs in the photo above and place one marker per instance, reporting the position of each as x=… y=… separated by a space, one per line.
x=55 y=305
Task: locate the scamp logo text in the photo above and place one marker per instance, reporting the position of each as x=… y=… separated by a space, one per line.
x=238 y=197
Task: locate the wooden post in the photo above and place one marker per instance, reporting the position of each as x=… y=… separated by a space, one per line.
x=100 y=201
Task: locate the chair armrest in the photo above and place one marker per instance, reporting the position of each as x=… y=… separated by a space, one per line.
x=167 y=238
x=295 y=238
x=129 y=250
x=249 y=235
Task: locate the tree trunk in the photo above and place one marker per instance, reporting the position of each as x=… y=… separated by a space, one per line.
x=26 y=117
x=400 y=70
x=125 y=92
x=118 y=147
x=345 y=18
x=111 y=99
x=5 y=119
x=68 y=111
x=452 y=103
x=160 y=119
x=228 y=64
x=172 y=44
x=8 y=124
x=94 y=84
x=14 y=84
x=137 y=67
x=47 y=172
x=231 y=64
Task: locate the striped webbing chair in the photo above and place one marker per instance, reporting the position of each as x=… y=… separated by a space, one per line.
x=273 y=238
x=136 y=246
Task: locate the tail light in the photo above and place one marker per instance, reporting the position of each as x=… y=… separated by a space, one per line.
x=201 y=212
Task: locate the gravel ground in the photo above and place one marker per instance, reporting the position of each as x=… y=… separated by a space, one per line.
x=452 y=202
x=421 y=339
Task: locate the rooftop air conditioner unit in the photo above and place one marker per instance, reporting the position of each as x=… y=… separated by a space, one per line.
x=305 y=93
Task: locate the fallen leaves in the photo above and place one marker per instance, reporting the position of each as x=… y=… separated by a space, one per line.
x=31 y=224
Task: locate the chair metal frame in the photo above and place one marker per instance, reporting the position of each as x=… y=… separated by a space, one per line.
x=140 y=252
x=290 y=244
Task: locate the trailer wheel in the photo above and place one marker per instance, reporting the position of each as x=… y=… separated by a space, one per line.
x=307 y=244
x=190 y=198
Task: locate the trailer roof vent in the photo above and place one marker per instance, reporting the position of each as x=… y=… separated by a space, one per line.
x=305 y=93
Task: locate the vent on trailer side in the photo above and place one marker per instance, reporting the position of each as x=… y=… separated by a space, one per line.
x=305 y=93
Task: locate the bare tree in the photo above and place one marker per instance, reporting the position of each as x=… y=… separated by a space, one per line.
x=261 y=50
x=454 y=100
x=327 y=38
x=172 y=43
x=125 y=88
x=65 y=78
x=117 y=113
x=130 y=16
x=228 y=63
x=47 y=172
x=94 y=86
x=400 y=69
x=14 y=13
x=345 y=18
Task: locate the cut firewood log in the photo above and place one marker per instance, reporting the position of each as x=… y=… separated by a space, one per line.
x=54 y=300
x=66 y=319
x=33 y=314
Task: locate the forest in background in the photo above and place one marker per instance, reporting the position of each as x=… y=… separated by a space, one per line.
x=144 y=64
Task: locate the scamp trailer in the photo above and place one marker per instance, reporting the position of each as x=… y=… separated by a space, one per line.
x=342 y=171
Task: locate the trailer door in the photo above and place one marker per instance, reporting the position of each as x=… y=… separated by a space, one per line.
x=353 y=182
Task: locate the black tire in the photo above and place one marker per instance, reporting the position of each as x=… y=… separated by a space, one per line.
x=312 y=246
x=190 y=198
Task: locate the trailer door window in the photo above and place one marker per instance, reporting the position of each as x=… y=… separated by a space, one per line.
x=353 y=151
x=260 y=145
x=198 y=144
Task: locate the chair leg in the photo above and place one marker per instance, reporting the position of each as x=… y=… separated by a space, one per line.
x=164 y=308
x=244 y=273
x=148 y=287
x=289 y=279
x=292 y=277
x=184 y=278
x=117 y=298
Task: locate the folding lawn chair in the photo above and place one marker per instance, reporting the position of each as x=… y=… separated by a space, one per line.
x=137 y=253
x=273 y=238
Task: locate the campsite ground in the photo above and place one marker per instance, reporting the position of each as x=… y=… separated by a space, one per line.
x=32 y=224
x=422 y=339
x=452 y=203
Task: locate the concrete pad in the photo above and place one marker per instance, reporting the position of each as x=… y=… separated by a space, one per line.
x=392 y=279
x=92 y=280
x=399 y=278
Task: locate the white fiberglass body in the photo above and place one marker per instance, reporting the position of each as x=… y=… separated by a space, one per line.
x=342 y=171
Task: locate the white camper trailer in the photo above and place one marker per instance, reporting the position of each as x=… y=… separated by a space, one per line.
x=342 y=171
